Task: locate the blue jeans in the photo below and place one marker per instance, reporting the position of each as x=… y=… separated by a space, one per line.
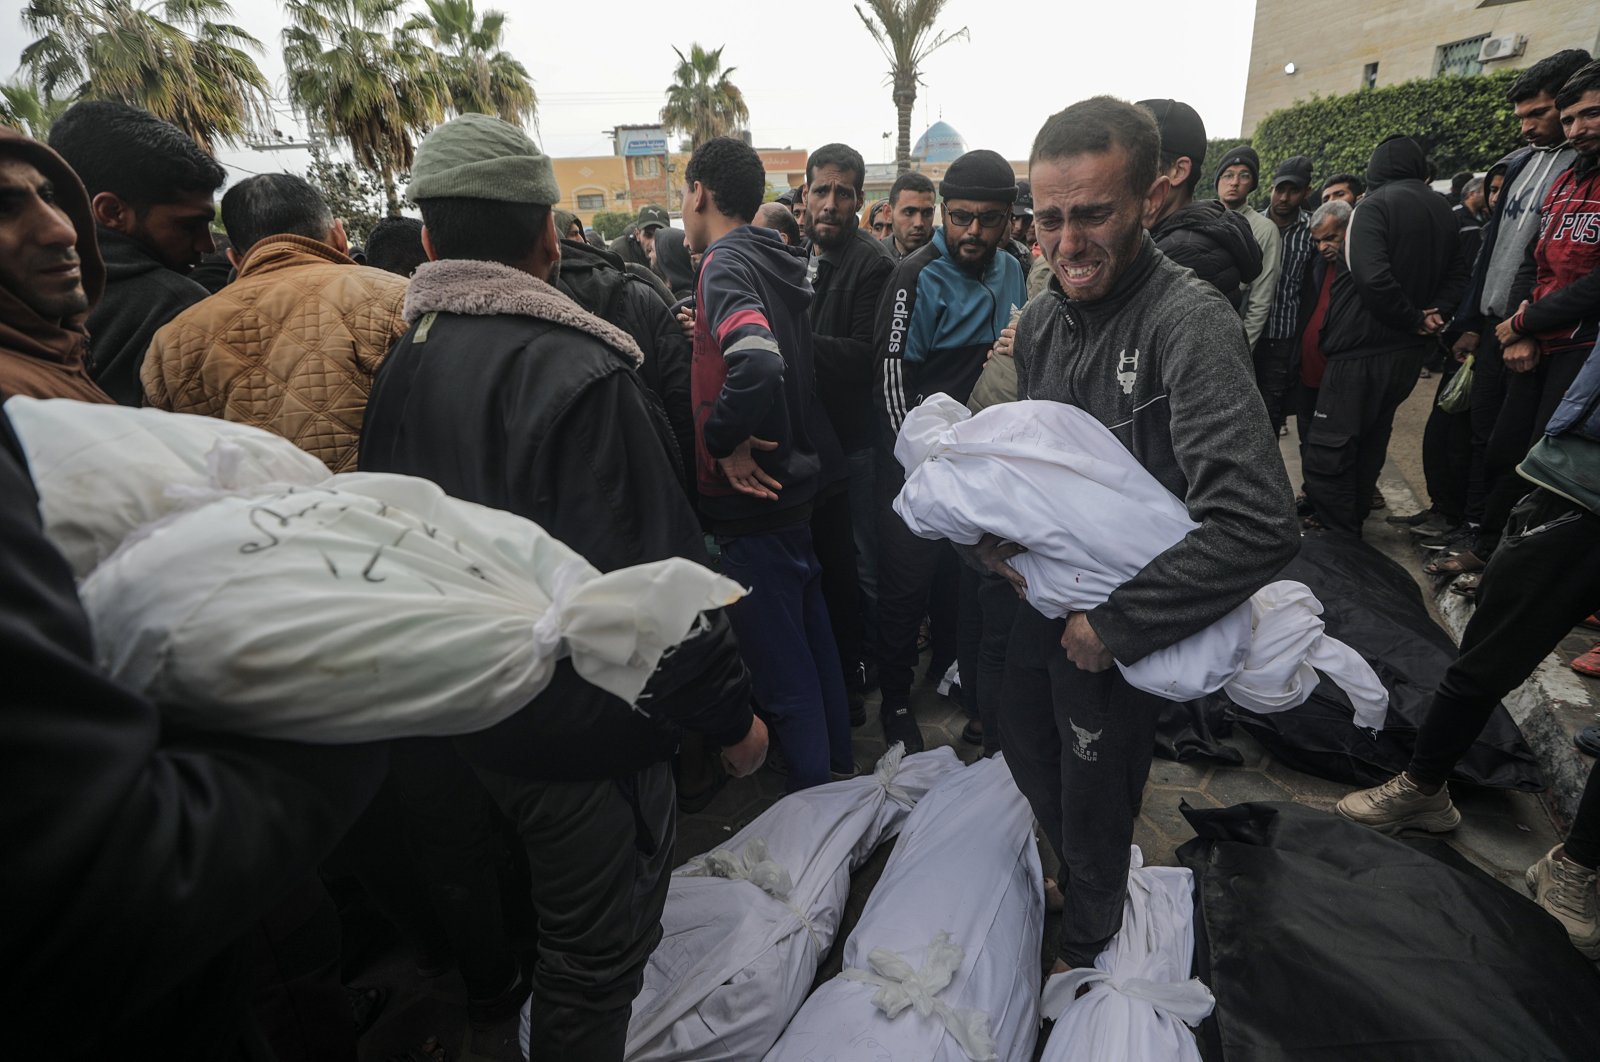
x=787 y=643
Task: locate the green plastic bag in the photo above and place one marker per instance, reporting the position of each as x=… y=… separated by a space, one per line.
x=1457 y=394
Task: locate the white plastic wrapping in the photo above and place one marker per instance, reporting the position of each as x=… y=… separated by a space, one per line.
x=1140 y=993
x=103 y=472
x=746 y=926
x=248 y=591
x=1051 y=477
x=944 y=964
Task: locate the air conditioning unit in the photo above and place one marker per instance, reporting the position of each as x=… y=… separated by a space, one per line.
x=1505 y=46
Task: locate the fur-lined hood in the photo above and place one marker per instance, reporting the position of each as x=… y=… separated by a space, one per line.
x=483 y=289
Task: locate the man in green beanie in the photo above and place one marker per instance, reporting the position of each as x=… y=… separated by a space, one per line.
x=504 y=392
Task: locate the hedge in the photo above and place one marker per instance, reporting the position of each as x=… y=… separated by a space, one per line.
x=1464 y=123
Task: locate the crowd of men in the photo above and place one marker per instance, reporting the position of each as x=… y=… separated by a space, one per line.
x=728 y=388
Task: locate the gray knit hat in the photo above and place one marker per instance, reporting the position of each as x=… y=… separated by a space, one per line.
x=478 y=156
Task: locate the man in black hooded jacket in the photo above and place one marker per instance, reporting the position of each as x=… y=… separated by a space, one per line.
x=609 y=288
x=1403 y=251
x=1206 y=237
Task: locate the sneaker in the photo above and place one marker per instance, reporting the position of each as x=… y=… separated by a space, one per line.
x=1399 y=805
x=487 y=1013
x=1433 y=527
x=1416 y=519
x=858 y=709
x=1452 y=541
x=900 y=725
x=1566 y=891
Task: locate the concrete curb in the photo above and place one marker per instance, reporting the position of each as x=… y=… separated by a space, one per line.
x=1549 y=708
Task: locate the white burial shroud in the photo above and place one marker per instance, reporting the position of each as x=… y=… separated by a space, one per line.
x=746 y=926
x=250 y=592
x=1052 y=478
x=1140 y=993
x=944 y=964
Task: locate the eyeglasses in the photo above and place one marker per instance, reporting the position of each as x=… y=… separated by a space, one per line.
x=989 y=219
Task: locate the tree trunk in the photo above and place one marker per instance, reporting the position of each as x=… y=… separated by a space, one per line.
x=904 y=98
x=390 y=192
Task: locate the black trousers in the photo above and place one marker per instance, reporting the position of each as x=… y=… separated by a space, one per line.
x=299 y=1003
x=450 y=824
x=1447 y=453
x=917 y=577
x=1079 y=745
x=834 y=542
x=1488 y=394
x=988 y=609
x=600 y=855
x=1541 y=582
x=1350 y=431
x=1530 y=400
x=1274 y=358
x=1583 y=839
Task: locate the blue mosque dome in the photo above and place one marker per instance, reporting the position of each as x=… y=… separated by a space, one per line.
x=941 y=143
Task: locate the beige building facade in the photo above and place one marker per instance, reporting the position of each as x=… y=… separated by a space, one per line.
x=1302 y=50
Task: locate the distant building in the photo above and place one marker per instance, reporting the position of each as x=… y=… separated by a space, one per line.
x=1302 y=50
x=931 y=154
x=644 y=170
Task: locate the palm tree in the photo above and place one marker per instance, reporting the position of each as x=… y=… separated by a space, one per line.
x=178 y=59
x=480 y=76
x=24 y=107
x=904 y=32
x=701 y=100
x=362 y=76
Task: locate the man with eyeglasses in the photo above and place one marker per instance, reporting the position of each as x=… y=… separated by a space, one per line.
x=942 y=310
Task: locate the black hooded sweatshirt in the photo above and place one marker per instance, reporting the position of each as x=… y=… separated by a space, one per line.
x=754 y=374
x=1403 y=256
x=613 y=291
x=1213 y=241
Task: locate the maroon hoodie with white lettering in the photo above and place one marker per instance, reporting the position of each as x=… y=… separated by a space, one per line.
x=1564 y=304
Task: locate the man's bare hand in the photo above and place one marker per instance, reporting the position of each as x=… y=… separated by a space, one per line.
x=1003 y=346
x=686 y=321
x=1504 y=330
x=995 y=554
x=750 y=753
x=746 y=476
x=1466 y=343
x=1084 y=646
x=1432 y=323
x=1522 y=355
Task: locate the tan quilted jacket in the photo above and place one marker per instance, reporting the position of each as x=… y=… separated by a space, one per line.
x=290 y=346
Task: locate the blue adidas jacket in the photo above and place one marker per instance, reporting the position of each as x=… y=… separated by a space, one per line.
x=936 y=324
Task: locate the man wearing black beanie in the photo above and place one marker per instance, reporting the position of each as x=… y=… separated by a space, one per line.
x=1237 y=176
x=943 y=309
x=1204 y=236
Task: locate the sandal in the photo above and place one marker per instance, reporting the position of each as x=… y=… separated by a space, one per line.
x=1593 y=623
x=1467 y=585
x=1455 y=564
x=1588 y=664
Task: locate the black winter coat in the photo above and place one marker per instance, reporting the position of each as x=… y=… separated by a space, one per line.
x=1404 y=251
x=141 y=295
x=600 y=282
x=844 y=305
x=1213 y=241
x=505 y=393
x=133 y=858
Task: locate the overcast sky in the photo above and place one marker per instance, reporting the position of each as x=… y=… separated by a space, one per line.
x=600 y=64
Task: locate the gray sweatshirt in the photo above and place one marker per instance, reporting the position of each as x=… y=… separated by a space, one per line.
x=1162 y=362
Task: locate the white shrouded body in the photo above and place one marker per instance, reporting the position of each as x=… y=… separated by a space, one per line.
x=1052 y=478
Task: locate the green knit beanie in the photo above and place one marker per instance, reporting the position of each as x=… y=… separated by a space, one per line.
x=478 y=156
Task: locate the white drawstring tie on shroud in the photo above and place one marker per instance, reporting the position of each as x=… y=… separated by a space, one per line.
x=901 y=986
x=755 y=865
